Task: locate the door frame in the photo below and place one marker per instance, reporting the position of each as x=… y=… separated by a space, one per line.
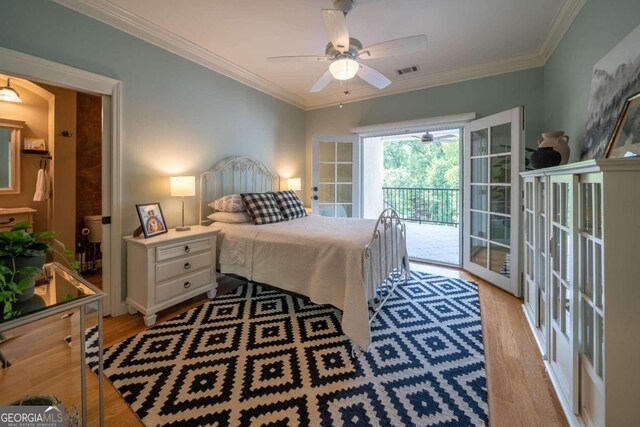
x=49 y=72
x=356 y=165
x=515 y=116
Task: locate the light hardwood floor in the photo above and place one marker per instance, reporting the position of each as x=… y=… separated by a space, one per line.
x=520 y=393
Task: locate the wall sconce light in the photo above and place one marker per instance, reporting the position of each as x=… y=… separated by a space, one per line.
x=183 y=186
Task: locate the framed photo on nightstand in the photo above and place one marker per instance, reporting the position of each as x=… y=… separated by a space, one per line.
x=151 y=219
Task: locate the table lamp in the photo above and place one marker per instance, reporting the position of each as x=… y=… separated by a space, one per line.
x=294 y=184
x=183 y=186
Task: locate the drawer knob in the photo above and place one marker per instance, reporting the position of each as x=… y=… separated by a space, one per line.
x=187 y=249
x=187 y=266
x=187 y=285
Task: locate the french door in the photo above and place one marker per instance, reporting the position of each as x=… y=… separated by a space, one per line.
x=335 y=189
x=492 y=162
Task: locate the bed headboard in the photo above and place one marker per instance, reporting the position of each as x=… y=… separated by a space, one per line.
x=233 y=175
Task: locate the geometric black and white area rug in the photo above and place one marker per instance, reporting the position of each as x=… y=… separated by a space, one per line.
x=260 y=357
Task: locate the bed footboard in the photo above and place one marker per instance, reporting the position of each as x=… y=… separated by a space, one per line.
x=385 y=262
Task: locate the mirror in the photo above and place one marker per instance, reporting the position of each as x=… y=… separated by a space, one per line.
x=10 y=141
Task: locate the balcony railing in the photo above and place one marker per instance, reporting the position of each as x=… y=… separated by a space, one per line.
x=425 y=205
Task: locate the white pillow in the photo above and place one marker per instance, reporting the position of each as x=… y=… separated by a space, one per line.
x=230 y=217
x=230 y=203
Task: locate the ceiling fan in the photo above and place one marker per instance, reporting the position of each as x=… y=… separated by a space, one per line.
x=428 y=138
x=344 y=52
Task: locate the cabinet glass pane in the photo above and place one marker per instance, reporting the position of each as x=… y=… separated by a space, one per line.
x=327 y=209
x=555 y=250
x=345 y=173
x=345 y=150
x=501 y=229
x=587 y=266
x=327 y=151
x=597 y=206
x=479 y=224
x=501 y=200
x=541 y=198
x=563 y=254
x=529 y=195
x=562 y=314
x=587 y=209
x=600 y=344
x=344 y=210
x=566 y=312
x=501 y=169
x=327 y=172
x=599 y=280
x=542 y=318
x=478 y=252
x=479 y=142
x=326 y=193
x=500 y=260
x=555 y=308
x=501 y=138
x=479 y=197
x=587 y=331
x=479 y=170
x=344 y=193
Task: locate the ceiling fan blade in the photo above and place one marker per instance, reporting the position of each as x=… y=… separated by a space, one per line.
x=394 y=47
x=373 y=77
x=335 y=25
x=298 y=58
x=322 y=82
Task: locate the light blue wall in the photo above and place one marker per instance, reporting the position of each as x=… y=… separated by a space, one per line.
x=179 y=117
x=600 y=25
x=483 y=96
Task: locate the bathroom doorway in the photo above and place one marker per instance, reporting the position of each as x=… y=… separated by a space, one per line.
x=88 y=188
x=69 y=128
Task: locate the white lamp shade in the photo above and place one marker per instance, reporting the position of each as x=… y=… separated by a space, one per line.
x=295 y=184
x=8 y=94
x=344 y=69
x=183 y=186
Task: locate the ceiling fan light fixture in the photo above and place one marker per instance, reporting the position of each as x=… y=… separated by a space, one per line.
x=344 y=69
x=9 y=94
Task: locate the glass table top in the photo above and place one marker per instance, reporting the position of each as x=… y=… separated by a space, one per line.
x=57 y=287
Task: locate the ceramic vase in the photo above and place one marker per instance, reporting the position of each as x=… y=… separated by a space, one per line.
x=559 y=142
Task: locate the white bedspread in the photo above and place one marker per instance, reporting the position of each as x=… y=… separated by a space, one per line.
x=315 y=256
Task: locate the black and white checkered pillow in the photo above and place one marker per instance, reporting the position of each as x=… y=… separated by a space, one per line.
x=262 y=208
x=290 y=206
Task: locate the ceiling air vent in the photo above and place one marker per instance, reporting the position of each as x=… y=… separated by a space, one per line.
x=412 y=69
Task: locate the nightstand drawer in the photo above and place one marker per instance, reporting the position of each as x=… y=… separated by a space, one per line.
x=182 y=285
x=181 y=249
x=179 y=267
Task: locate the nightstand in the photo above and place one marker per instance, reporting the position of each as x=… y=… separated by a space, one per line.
x=167 y=269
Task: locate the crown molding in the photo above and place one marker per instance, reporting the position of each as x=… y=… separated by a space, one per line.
x=114 y=16
x=568 y=12
x=519 y=63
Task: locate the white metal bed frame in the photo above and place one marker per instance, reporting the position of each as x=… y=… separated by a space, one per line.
x=238 y=174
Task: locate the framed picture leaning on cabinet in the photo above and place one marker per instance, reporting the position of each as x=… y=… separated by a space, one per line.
x=625 y=141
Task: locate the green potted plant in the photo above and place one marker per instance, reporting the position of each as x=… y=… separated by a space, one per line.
x=22 y=256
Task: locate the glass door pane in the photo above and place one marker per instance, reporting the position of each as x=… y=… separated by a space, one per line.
x=332 y=192
x=492 y=159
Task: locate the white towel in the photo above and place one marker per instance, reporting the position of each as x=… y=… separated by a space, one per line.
x=42 y=187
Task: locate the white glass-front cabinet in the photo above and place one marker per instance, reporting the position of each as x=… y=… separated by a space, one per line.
x=581 y=285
